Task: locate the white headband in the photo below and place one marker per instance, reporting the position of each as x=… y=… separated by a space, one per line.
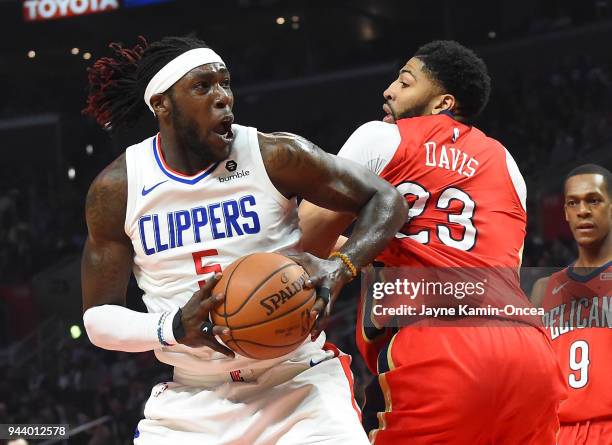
x=177 y=68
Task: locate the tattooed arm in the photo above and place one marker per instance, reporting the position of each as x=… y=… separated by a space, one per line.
x=298 y=167
x=105 y=272
x=107 y=258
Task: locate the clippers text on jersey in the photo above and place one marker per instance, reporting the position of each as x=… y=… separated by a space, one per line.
x=226 y=219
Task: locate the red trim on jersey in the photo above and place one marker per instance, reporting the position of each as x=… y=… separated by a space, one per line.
x=345 y=361
x=332 y=347
x=170 y=169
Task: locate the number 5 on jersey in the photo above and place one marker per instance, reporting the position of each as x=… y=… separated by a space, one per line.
x=200 y=268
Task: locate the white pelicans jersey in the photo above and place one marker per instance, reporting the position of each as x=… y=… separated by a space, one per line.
x=186 y=228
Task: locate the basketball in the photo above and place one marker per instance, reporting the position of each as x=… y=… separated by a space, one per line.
x=266 y=306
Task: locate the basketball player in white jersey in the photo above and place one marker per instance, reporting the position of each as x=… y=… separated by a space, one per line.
x=179 y=207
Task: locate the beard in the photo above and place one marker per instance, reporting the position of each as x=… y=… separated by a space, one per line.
x=414 y=111
x=188 y=137
x=186 y=132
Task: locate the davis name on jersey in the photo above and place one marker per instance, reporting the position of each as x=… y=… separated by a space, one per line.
x=456 y=161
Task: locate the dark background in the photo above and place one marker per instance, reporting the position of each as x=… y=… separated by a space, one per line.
x=320 y=74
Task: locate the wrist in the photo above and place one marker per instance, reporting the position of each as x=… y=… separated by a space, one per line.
x=177 y=327
x=166 y=333
x=341 y=270
x=346 y=268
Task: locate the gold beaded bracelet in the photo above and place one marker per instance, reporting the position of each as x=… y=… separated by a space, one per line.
x=347 y=262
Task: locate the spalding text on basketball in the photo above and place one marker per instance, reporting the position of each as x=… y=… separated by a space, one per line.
x=275 y=301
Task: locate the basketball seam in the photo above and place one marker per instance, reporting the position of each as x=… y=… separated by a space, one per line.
x=225 y=296
x=226 y=286
x=240 y=347
x=264 y=281
x=278 y=316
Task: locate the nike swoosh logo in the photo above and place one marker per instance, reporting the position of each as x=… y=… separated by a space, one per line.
x=313 y=363
x=146 y=191
x=558 y=288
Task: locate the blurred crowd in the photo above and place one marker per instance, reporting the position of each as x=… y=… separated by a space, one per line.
x=38 y=222
x=553 y=117
x=79 y=384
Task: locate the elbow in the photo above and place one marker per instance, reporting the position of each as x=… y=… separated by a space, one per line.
x=91 y=327
x=400 y=203
x=398 y=207
x=97 y=331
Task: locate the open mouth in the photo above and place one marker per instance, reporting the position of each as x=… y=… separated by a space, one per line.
x=389 y=114
x=224 y=128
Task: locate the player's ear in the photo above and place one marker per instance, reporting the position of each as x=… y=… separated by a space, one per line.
x=161 y=104
x=444 y=102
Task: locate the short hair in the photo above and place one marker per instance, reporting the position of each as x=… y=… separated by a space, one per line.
x=460 y=72
x=117 y=84
x=593 y=169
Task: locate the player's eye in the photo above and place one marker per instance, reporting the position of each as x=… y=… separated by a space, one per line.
x=594 y=201
x=202 y=86
x=225 y=83
x=571 y=203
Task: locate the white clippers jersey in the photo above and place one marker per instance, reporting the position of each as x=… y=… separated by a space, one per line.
x=185 y=228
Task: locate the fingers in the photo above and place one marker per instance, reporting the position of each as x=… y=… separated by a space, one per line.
x=220 y=330
x=316 y=275
x=318 y=327
x=314 y=281
x=323 y=297
x=318 y=307
x=206 y=290
x=210 y=303
x=320 y=311
x=305 y=260
x=213 y=344
x=209 y=331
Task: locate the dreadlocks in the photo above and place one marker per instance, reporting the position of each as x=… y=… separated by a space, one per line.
x=117 y=84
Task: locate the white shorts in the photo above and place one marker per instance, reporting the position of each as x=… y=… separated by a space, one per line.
x=306 y=400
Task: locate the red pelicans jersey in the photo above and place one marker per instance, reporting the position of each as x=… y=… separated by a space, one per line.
x=578 y=320
x=466 y=195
